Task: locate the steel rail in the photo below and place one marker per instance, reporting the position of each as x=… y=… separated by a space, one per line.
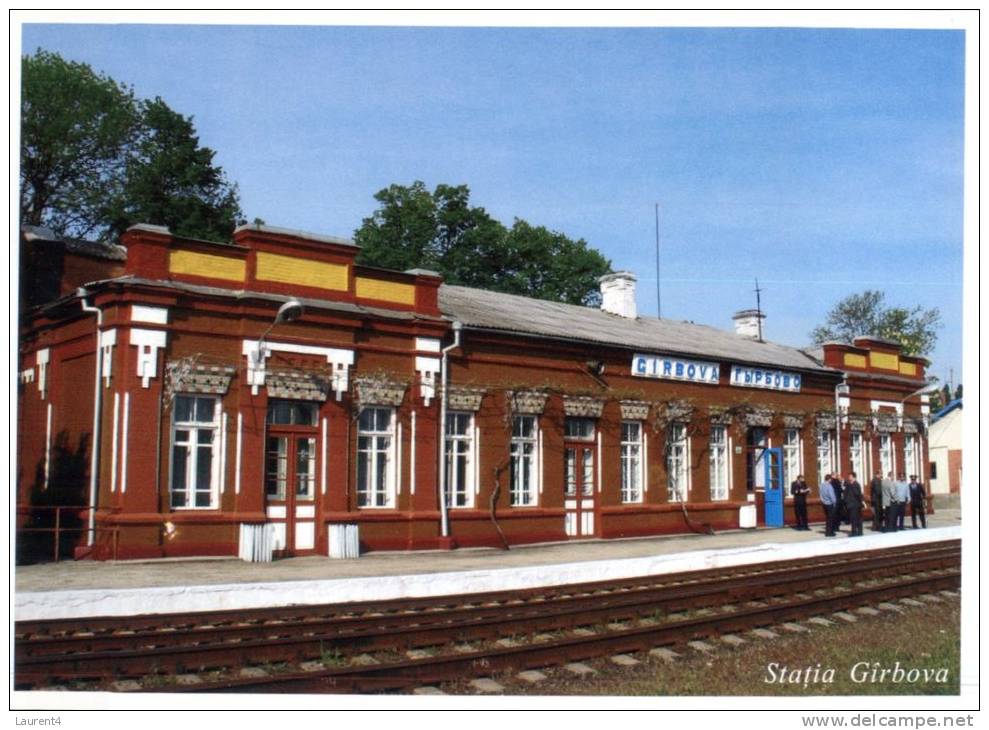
x=432 y=670
x=34 y=630
x=631 y=602
x=474 y=625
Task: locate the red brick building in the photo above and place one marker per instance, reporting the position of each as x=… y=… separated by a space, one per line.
x=205 y=412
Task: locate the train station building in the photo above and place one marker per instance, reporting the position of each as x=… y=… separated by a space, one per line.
x=181 y=397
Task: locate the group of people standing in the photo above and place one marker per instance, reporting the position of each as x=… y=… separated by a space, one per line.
x=843 y=501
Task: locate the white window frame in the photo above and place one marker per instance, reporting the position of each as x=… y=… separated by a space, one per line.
x=791 y=455
x=192 y=454
x=633 y=464
x=825 y=465
x=910 y=455
x=887 y=459
x=455 y=490
x=390 y=452
x=527 y=494
x=720 y=460
x=677 y=462
x=856 y=453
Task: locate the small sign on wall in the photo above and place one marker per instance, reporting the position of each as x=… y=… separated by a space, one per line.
x=674 y=368
x=746 y=377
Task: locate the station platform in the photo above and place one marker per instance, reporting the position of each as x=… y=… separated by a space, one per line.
x=91 y=588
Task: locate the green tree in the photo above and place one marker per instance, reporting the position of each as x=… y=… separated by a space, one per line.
x=95 y=160
x=442 y=231
x=867 y=314
x=171 y=181
x=958 y=392
x=77 y=130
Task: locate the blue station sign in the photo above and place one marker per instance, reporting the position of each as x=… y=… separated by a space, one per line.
x=674 y=368
x=746 y=377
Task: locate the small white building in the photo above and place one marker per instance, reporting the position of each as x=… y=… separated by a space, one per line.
x=945 y=446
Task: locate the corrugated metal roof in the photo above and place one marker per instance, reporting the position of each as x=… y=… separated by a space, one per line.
x=511 y=313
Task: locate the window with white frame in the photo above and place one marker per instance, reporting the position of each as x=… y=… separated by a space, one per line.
x=910 y=455
x=460 y=459
x=195 y=457
x=631 y=447
x=856 y=453
x=825 y=453
x=524 y=477
x=719 y=462
x=375 y=457
x=791 y=455
x=886 y=454
x=676 y=462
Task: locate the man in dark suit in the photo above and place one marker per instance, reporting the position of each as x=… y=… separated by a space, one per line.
x=852 y=495
x=799 y=491
x=876 y=497
x=917 y=496
x=841 y=515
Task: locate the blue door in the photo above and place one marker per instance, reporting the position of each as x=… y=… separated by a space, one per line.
x=773 y=460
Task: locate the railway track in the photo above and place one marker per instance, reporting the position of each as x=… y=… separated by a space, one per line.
x=363 y=647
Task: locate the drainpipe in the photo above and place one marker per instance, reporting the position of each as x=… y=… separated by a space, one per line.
x=444 y=511
x=840 y=390
x=94 y=469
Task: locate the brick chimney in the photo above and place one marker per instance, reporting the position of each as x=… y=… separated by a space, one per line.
x=618 y=294
x=748 y=323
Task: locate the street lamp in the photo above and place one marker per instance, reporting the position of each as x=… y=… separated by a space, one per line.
x=288 y=312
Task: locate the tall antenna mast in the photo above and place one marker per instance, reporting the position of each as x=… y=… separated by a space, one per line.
x=758 y=307
x=659 y=306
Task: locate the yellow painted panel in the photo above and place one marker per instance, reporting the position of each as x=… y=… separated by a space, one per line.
x=855 y=361
x=206 y=264
x=884 y=360
x=304 y=272
x=908 y=368
x=386 y=291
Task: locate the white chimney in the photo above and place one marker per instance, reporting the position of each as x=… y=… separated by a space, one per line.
x=748 y=323
x=618 y=294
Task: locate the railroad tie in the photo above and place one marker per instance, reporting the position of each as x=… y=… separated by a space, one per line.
x=764 y=633
x=794 y=627
x=486 y=685
x=732 y=640
x=531 y=676
x=428 y=691
x=667 y=655
x=845 y=616
x=579 y=668
x=820 y=621
x=624 y=660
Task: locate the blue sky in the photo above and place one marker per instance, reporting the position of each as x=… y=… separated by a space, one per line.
x=823 y=162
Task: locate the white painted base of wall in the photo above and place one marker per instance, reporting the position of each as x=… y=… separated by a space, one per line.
x=174 y=599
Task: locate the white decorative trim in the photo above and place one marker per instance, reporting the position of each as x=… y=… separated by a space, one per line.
x=42 y=358
x=147 y=342
x=27 y=376
x=476 y=457
x=222 y=480
x=48 y=445
x=398 y=459
x=539 y=457
x=645 y=461
x=412 y=454
x=428 y=368
x=427 y=344
x=240 y=433
x=108 y=339
x=340 y=362
x=322 y=461
x=598 y=464
x=152 y=315
x=113 y=443
x=123 y=444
